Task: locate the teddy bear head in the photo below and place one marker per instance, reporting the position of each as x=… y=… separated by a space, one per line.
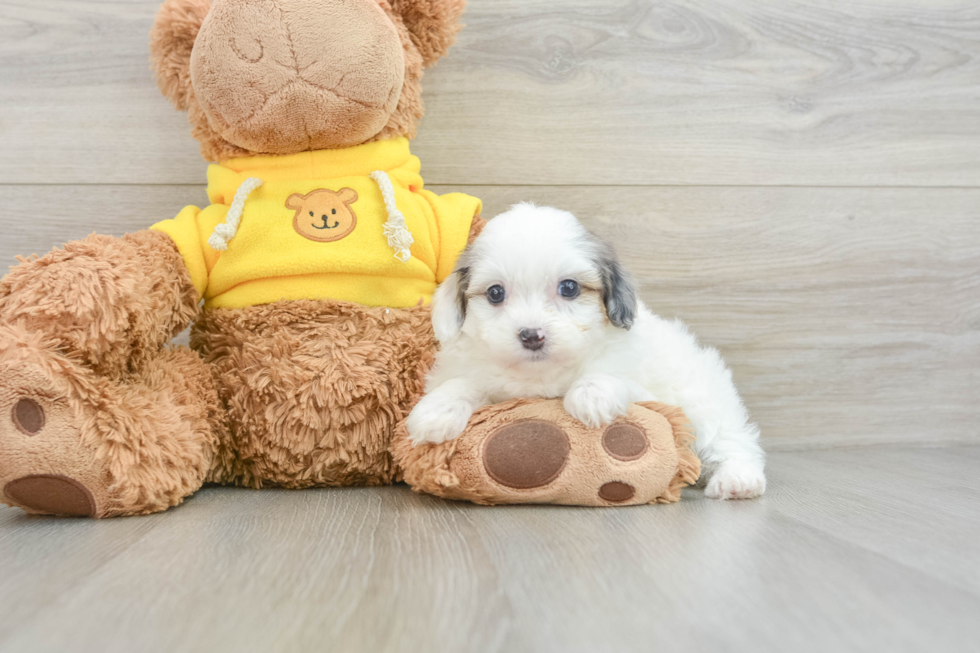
x=287 y=76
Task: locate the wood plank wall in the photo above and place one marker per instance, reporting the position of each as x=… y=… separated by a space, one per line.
x=798 y=180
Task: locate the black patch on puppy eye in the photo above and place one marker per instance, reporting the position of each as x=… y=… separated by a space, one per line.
x=462 y=286
x=618 y=293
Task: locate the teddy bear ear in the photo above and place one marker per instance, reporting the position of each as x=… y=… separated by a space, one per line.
x=347 y=195
x=432 y=24
x=295 y=201
x=171 y=41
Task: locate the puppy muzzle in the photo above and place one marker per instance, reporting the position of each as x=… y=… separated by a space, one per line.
x=532 y=339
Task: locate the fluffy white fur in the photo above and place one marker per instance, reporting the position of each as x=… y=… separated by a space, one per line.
x=601 y=350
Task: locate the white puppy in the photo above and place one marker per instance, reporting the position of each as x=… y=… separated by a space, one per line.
x=540 y=307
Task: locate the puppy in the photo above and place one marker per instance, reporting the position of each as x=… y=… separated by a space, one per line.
x=540 y=307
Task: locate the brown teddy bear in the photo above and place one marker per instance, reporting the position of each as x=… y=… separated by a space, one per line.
x=315 y=261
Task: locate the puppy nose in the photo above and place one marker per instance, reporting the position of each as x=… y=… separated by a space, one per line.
x=532 y=338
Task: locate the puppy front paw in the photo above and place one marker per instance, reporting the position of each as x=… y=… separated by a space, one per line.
x=736 y=480
x=436 y=419
x=597 y=400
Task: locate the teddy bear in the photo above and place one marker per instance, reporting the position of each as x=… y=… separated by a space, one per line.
x=306 y=283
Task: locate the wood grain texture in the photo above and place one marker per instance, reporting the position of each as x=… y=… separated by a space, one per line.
x=848 y=315
x=797 y=180
x=702 y=92
x=825 y=562
x=925 y=495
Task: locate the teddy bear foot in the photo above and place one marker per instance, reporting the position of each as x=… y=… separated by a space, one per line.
x=77 y=443
x=44 y=466
x=531 y=451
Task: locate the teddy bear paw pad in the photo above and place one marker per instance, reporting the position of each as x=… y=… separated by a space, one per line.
x=616 y=492
x=44 y=467
x=624 y=441
x=28 y=416
x=51 y=494
x=526 y=454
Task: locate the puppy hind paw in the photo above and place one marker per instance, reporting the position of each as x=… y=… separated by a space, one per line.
x=736 y=480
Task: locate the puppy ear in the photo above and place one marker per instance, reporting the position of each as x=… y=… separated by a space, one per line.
x=449 y=305
x=432 y=24
x=618 y=293
x=171 y=41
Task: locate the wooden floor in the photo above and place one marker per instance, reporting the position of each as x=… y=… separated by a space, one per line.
x=863 y=549
x=798 y=180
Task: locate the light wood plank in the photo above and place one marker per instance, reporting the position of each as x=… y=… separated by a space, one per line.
x=578 y=92
x=62 y=552
x=382 y=569
x=848 y=315
x=32 y=222
x=919 y=507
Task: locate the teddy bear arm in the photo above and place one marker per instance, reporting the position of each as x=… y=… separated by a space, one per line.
x=458 y=217
x=112 y=301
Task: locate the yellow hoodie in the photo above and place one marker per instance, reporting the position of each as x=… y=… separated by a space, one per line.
x=353 y=225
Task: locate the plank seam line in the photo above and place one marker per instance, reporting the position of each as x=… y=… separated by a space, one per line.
x=791 y=444
x=472 y=185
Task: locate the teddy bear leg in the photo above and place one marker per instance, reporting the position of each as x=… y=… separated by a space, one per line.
x=76 y=443
x=531 y=451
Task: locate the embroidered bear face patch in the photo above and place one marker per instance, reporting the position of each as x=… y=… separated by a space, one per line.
x=323 y=215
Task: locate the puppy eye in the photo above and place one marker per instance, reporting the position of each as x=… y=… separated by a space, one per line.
x=569 y=289
x=496 y=294
x=311 y=214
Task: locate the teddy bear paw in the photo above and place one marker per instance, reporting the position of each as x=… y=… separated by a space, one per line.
x=532 y=451
x=44 y=466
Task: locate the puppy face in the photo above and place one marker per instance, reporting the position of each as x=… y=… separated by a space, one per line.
x=535 y=286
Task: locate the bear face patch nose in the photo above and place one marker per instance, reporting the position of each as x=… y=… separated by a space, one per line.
x=532 y=339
